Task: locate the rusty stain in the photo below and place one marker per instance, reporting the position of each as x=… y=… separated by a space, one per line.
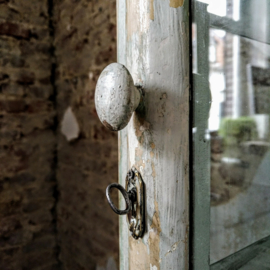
x=154 y=239
x=176 y=3
x=152 y=15
x=152 y=154
x=153 y=145
x=153 y=170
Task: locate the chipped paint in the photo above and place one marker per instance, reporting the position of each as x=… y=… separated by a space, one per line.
x=154 y=239
x=153 y=170
x=158 y=137
x=152 y=15
x=173 y=248
x=139 y=258
x=137 y=19
x=176 y=3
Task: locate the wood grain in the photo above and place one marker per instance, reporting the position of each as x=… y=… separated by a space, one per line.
x=155 y=49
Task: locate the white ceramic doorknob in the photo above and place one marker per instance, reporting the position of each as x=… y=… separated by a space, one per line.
x=116 y=97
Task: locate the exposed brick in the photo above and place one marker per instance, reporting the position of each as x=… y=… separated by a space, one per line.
x=3 y=76
x=46 y=80
x=11 y=232
x=41 y=216
x=13 y=105
x=28 y=143
x=21 y=179
x=11 y=207
x=33 y=206
x=82 y=51
x=27 y=139
x=43 y=92
x=34 y=260
x=45 y=243
x=36 y=106
x=12 y=89
x=15 y=61
x=9 y=258
x=25 y=77
x=54 y=266
x=15 y=30
x=33 y=48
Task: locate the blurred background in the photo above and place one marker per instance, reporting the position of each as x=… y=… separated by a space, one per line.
x=56 y=158
x=231 y=50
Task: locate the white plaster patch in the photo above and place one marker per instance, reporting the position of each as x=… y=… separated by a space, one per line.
x=153 y=267
x=91 y=75
x=69 y=126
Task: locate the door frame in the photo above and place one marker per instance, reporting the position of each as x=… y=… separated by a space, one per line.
x=153 y=43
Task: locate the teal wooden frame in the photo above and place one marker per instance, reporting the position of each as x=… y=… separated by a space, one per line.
x=201 y=150
x=200 y=220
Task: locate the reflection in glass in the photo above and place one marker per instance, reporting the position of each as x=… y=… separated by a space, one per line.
x=238 y=124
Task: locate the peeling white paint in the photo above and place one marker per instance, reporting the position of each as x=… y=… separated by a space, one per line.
x=133 y=138
x=173 y=248
x=157 y=56
x=69 y=126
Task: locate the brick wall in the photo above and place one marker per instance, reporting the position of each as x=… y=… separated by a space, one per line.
x=85 y=42
x=27 y=138
x=51 y=53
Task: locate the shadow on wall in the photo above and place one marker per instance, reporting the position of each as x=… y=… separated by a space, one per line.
x=85 y=43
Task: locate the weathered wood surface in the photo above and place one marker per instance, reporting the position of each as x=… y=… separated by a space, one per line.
x=153 y=43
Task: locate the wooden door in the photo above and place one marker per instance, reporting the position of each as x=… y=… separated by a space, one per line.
x=154 y=44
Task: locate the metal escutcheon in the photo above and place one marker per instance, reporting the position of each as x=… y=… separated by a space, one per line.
x=135 y=202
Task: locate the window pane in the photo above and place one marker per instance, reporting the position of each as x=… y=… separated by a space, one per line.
x=238 y=128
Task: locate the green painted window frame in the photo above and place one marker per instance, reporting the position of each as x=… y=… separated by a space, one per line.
x=200 y=187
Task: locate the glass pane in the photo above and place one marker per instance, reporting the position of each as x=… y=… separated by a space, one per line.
x=236 y=39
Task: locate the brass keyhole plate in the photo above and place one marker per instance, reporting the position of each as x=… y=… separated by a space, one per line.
x=136 y=217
